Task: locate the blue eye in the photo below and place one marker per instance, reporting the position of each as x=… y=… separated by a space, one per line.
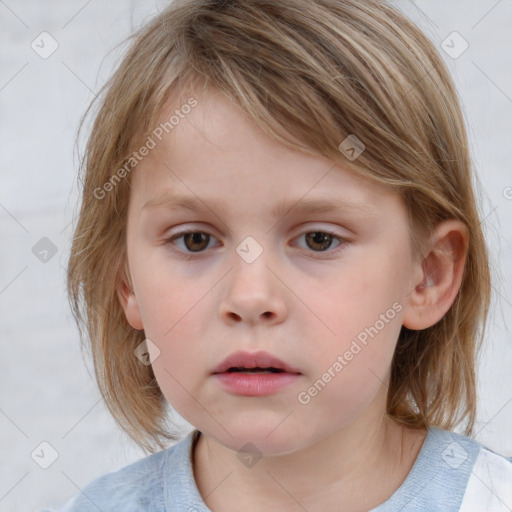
x=195 y=242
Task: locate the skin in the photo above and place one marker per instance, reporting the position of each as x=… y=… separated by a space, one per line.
x=300 y=303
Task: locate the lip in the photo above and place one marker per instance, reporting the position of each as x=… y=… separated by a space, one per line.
x=254 y=384
x=259 y=359
x=262 y=384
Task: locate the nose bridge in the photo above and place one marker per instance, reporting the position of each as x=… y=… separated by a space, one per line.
x=250 y=263
x=252 y=292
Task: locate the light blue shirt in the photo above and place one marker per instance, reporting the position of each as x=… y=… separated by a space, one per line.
x=451 y=473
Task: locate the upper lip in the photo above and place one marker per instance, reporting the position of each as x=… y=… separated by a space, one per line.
x=253 y=360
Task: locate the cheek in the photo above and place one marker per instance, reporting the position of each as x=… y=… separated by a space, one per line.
x=175 y=311
x=166 y=301
x=360 y=304
x=363 y=313
x=171 y=323
x=174 y=322
x=350 y=375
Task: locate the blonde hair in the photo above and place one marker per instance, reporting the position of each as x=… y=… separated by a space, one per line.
x=320 y=70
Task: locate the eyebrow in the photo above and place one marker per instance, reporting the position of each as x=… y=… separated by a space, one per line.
x=321 y=205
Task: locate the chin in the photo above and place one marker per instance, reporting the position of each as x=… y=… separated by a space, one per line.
x=260 y=439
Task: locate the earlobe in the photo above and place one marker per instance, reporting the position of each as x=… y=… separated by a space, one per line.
x=442 y=273
x=130 y=305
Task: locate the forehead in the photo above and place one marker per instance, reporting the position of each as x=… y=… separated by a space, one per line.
x=216 y=151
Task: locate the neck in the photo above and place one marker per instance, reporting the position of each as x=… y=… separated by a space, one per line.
x=359 y=465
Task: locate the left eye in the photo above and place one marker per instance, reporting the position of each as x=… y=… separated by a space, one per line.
x=321 y=239
x=197 y=241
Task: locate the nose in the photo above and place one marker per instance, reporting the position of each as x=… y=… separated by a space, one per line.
x=254 y=294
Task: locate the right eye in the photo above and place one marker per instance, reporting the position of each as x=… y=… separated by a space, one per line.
x=194 y=241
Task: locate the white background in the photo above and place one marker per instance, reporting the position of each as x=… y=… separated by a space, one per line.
x=47 y=393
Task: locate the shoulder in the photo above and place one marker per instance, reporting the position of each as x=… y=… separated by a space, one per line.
x=489 y=487
x=483 y=476
x=137 y=486
x=129 y=488
x=454 y=473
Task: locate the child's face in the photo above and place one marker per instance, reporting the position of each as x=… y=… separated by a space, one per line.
x=308 y=307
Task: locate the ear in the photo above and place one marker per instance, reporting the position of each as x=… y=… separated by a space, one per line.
x=441 y=276
x=129 y=302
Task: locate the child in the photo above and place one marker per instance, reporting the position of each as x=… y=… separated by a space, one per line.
x=322 y=336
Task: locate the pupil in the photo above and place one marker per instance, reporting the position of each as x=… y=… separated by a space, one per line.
x=197 y=237
x=318 y=237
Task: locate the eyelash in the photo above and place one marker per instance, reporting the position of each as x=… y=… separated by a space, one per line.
x=191 y=255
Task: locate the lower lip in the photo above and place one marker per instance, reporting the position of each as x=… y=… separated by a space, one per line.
x=255 y=384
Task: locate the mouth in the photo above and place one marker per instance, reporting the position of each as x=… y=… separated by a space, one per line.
x=254 y=363
x=256 y=380
x=255 y=370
